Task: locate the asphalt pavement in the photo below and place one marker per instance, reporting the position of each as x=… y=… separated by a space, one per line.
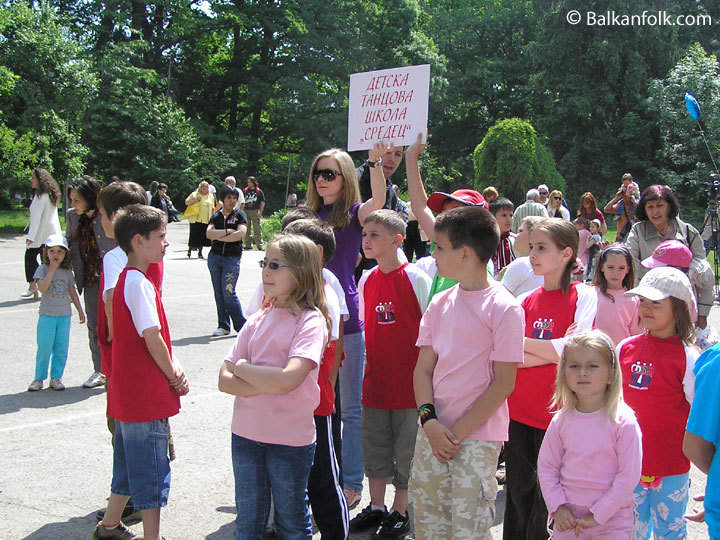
x=55 y=451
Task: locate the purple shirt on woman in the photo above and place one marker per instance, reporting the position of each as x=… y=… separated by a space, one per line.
x=342 y=264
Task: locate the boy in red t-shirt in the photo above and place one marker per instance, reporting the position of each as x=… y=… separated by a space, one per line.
x=393 y=297
x=145 y=380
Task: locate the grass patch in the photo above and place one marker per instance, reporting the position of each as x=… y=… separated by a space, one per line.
x=16 y=221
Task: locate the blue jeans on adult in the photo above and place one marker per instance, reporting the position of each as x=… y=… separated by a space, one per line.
x=351 y=380
x=53 y=340
x=224 y=272
x=261 y=469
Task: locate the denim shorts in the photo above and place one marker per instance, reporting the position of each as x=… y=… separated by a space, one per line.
x=141 y=465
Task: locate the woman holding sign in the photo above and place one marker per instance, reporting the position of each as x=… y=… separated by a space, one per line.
x=333 y=193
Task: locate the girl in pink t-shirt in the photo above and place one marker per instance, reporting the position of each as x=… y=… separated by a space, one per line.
x=590 y=458
x=272 y=371
x=617 y=314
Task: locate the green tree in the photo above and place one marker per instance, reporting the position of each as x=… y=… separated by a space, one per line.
x=512 y=158
x=683 y=160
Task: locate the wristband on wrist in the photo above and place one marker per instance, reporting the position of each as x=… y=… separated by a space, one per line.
x=426 y=412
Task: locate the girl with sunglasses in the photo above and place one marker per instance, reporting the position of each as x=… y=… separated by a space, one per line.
x=333 y=192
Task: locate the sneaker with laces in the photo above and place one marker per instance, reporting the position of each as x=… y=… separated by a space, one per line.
x=96 y=379
x=367 y=519
x=221 y=332
x=56 y=384
x=120 y=532
x=35 y=386
x=393 y=526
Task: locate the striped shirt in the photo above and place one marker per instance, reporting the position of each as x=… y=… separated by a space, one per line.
x=528 y=208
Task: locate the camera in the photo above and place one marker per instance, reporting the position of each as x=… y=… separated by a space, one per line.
x=712 y=187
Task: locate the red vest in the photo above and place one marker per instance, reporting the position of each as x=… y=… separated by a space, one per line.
x=154 y=274
x=138 y=390
x=653 y=370
x=392 y=320
x=327 y=392
x=548 y=314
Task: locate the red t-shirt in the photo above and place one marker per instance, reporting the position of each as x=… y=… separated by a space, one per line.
x=392 y=313
x=138 y=390
x=655 y=374
x=155 y=275
x=548 y=314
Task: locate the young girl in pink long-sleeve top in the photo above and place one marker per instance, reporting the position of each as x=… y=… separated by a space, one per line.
x=590 y=459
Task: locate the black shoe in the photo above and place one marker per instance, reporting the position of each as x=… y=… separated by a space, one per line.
x=129 y=515
x=393 y=526
x=367 y=519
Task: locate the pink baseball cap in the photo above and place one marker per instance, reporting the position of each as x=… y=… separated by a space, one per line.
x=669 y=253
x=468 y=197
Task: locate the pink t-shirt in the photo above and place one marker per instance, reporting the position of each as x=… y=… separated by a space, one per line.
x=271 y=337
x=588 y=461
x=618 y=319
x=469 y=330
x=582 y=253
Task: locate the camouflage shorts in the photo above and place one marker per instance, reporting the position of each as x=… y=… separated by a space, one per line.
x=454 y=499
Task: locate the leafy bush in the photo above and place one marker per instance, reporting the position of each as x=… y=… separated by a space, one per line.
x=272 y=225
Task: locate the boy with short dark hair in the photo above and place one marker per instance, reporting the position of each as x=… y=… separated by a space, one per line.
x=145 y=381
x=471 y=342
x=502 y=209
x=393 y=296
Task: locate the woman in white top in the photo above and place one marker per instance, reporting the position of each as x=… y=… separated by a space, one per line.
x=555 y=207
x=43 y=222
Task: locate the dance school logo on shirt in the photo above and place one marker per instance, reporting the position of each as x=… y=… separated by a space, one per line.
x=385 y=313
x=542 y=328
x=641 y=375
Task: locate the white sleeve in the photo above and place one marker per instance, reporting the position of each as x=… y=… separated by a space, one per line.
x=361 y=296
x=514 y=274
x=255 y=303
x=427 y=265
x=140 y=300
x=401 y=255
x=334 y=282
x=585 y=312
x=421 y=284
x=241 y=197
x=113 y=265
x=691 y=355
x=334 y=311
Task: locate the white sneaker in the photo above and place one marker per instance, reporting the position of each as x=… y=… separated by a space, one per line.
x=56 y=384
x=221 y=332
x=96 y=379
x=35 y=386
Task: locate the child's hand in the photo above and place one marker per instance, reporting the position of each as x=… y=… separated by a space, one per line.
x=238 y=366
x=81 y=316
x=564 y=520
x=415 y=149
x=698 y=516
x=179 y=381
x=585 y=522
x=443 y=442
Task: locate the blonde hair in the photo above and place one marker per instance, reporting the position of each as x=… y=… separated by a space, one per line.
x=490 y=193
x=599 y=342
x=305 y=265
x=531 y=222
x=387 y=219
x=340 y=214
x=563 y=234
x=555 y=193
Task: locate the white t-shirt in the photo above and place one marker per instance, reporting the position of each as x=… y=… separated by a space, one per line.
x=114 y=262
x=140 y=300
x=519 y=277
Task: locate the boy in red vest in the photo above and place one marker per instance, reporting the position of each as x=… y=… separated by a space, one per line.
x=145 y=381
x=393 y=297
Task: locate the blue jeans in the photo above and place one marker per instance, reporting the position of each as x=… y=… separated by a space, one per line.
x=53 y=339
x=351 y=380
x=261 y=469
x=141 y=464
x=224 y=273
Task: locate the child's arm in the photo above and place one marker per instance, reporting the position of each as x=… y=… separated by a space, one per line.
x=590 y=242
x=377 y=182
x=108 y=296
x=230 y=384
x=549 y=464
x=629 y=450
x=275 y=380
x=76 y=301
x=225 y=235
x=442 y=440
x=490 y=400
x=699 y=451
x=416 y=190
x=160 y=353
x=44 y=283
x=338 y=355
